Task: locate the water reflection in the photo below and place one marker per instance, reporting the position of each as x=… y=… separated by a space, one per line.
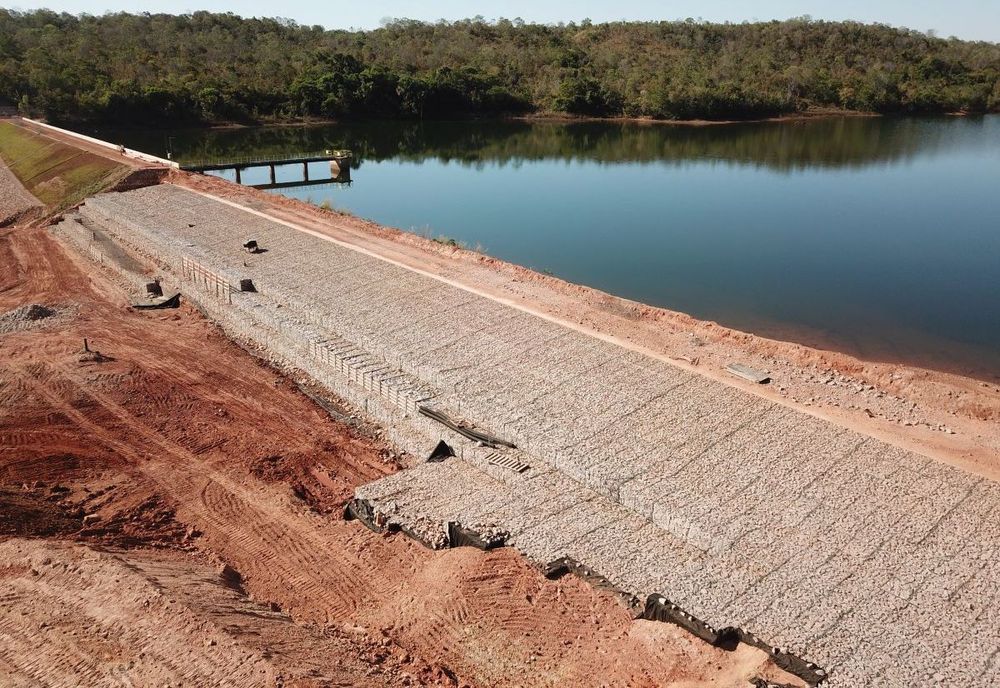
x=826 y=143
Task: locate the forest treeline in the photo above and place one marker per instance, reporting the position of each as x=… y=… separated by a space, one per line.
x=163 y=69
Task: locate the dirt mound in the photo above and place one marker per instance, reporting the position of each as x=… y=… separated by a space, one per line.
x=29 y=313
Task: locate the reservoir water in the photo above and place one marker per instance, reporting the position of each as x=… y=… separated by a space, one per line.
x=876 y=236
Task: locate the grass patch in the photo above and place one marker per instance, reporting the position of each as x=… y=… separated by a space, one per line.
x=445 y=240
x=448 y=241
x=458 y=243
x=56 y=174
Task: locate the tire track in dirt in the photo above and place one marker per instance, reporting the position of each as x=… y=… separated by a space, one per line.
x=28 y=270
x=145 y=619
x=277 y=548
x=213 y=502
x=11 y=271
x=266 y=540
x=269 y=541
x=50 y=660
x=43 y=467
x=76 y=618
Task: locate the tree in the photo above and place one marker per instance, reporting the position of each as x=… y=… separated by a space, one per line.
x=204 y=67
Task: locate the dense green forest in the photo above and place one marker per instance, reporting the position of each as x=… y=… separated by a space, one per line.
x=204 y=67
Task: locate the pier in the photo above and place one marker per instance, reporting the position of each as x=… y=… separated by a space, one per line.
x=340 y=167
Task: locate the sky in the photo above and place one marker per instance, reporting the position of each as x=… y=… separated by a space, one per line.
x=969 y=19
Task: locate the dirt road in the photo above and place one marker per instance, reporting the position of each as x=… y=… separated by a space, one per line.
x=173 y=438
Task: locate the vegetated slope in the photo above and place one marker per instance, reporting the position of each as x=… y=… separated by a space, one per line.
x=206 y=67
x=56 y=174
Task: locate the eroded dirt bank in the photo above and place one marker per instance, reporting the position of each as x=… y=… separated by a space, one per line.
x=175 y=440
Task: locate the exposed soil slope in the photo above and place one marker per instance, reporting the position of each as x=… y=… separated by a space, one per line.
x=93 y=618
x=16 y=204
x=177 y=439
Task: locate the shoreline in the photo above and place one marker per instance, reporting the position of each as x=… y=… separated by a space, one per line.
x=818 y=114
x=537 y=117
x=541 y=118
x=802 y=335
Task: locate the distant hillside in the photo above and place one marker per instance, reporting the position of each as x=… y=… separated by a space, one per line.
x=148 y=69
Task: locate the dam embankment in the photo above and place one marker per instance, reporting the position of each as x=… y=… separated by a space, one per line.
x=723 y=510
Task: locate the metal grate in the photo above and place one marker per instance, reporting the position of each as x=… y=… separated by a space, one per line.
x=508 y=462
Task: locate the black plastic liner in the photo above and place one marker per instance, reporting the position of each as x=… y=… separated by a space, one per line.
x=807 y=671
x=659 y=608
x=441 y=452
x=361 y=510
x=173 y=302
x=565 y=565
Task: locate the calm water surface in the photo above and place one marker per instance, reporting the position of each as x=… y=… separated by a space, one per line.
x=876 y=236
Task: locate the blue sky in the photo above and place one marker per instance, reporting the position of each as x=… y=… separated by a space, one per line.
x=972 y=19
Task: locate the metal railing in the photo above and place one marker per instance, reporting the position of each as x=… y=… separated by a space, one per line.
x=253 y=161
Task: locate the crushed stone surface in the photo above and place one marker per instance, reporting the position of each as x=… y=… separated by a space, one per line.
x=832 y=545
